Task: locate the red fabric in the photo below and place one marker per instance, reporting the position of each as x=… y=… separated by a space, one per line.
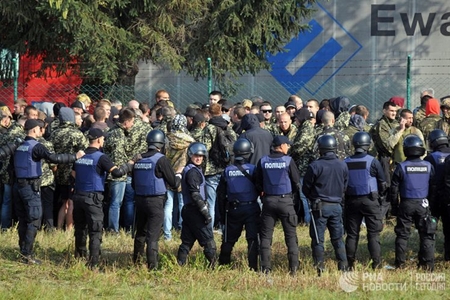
x=433 y=107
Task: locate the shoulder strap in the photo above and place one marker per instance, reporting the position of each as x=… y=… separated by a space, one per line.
x=244 y=172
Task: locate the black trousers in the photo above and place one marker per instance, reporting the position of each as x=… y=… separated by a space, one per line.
x=445 y=215
x=356 y=209
x=410 y=211
x=149 y=221
x=247 y=215
x=194 y=229
x=47 y=197
x=88 y=219
x=279 y=208
x=28 y=208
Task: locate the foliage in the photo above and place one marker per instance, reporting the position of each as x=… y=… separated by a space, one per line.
x=108 y=37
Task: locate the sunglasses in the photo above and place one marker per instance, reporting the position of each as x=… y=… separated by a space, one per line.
x=267 y=111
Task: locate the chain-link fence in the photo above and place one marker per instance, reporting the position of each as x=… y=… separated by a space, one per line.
x=366 y=82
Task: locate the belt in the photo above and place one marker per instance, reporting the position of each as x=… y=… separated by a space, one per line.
x=86 y=194
x=282 y=196
x=26 y=180
x=330 y=203
x=243 y=203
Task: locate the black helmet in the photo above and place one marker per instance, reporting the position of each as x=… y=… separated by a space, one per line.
x=156 y=139
x=413 y=146
x=361 y=141
x=198 y=149
x=327 y=143
x=437 y=137
x=242 y=149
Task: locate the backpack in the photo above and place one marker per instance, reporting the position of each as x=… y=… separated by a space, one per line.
x=221 y=152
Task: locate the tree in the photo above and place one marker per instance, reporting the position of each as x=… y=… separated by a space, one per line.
x=108 y=37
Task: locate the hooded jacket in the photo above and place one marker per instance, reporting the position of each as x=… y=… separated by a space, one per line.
x=260 y=138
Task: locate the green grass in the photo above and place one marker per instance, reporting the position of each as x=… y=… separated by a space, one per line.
x=61 y=276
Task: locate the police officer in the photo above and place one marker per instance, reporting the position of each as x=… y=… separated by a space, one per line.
x=236 y=197
x=27 y=165
x=324 y=185
x=414 y=180
x=366 y=184
x=438 y=141
x=90 y=173
x=277 y=178
x=150 y=176
x=196 y=217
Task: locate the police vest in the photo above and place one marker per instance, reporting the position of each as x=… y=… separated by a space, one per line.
x=184 y=187
x=276 y=175
x=145 y=181
x=416 y=176
x=87 y=178
x=238 y=185
x=24 y=165
x=439 y=160
x=360 y=182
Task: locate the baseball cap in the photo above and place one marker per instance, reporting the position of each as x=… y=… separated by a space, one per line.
x=190 y=112
x=279 y=140
x=199 y=117
x=78 y=104
x=95 y=133
x=290 y=104
x=247 y=103
x=304 y=114
x=32 y=123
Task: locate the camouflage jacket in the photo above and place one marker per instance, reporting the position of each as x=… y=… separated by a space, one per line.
x=419 y=116
x=138 y=136
x=14 y=131
x=208 y=137
x=342 y=121
x=382 y=135
x=302 y=147
x=48 y=178
x=67 y=138
x=399 y=156
x=342 y=141
x=427 y=125
x=444 y=124
x=176 y=150
x=118 y=146
x=197 y=133
x=290 y=134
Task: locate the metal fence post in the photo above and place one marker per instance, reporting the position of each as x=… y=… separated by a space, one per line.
x=209 y=76
x=408 y=83
x=15 y=61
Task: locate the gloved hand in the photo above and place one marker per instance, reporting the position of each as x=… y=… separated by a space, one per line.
x=204 y=211
x=394 y=210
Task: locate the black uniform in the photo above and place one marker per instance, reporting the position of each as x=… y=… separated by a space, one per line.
x=195 y=216
x=324 y=185
x=90 y=173
x=366 y=184
x=150 y=176
x=237 y=201
x=278 y=178
x=443 y=205
x=414 y=180
x=28 y=205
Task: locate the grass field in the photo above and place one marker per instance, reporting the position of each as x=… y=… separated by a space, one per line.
x=61 y=276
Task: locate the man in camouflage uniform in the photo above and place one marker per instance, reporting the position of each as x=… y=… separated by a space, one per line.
x=419 y=112
x=198 y=124
x=168 y=113
x=342 y=140
x=11 y=133
x=430 y=123
x=444 y=123
x=403 y=130
x=138 y=134
x=67 y=138
x=285 y=127
x=47 y=187
x=302 y=150
x=118 y=146
x=212 y=172
x=339 y=107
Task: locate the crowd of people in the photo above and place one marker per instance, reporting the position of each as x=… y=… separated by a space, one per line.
x=150 y=170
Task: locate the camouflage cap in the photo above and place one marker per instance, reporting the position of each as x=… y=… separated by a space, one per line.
x=445 y=102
